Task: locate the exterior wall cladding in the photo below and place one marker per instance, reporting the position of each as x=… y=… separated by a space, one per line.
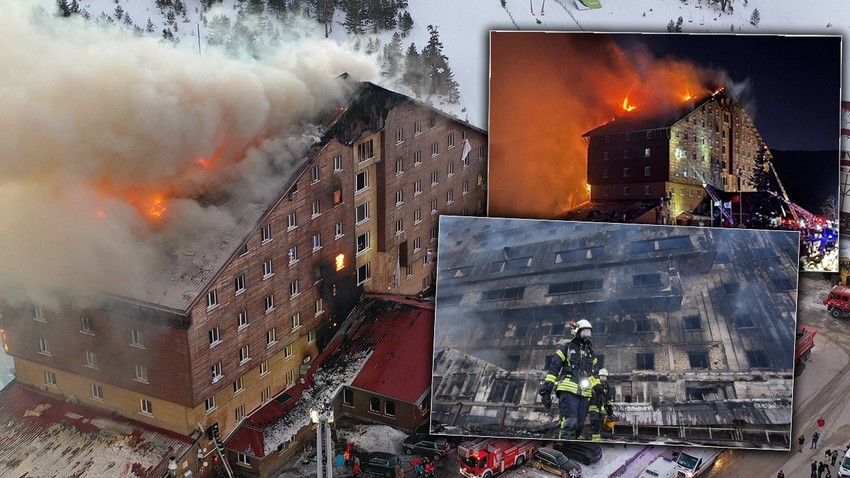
x=279 y=297
x=708 y=144
x=674 y=318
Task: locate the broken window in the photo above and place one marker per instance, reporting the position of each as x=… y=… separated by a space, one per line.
x=783 y=284
x=646 y=280
x=375 y=404
x=645 y=361
x=643 y=325
x=757 y=359
x=691 y=322
x=579 y=254
x=731 y=288
x=511 y=362
x=698 y=359
x=348 y=397
x=575 y=286
x=450 y=299
x=504 y=294
x=744 y=320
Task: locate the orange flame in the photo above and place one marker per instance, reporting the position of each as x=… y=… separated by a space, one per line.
x=628 y=106
x=157 y=207
x=688 y=96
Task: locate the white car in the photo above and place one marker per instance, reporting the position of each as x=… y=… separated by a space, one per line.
x=844 y=467
x=662 y=467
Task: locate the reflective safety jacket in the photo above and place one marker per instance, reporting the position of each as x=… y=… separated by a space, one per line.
x=573 y=361
x=601 y=397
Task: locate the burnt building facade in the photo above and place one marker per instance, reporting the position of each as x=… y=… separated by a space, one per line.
x=689 y=322
x=671 y=155
x=225 y=330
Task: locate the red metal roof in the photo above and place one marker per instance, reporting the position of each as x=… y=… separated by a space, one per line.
x=400 y=364
x=43 y=435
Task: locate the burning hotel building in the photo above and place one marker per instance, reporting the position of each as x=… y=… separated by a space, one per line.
x=709 y=142
x=224 y=330
x=695 y=326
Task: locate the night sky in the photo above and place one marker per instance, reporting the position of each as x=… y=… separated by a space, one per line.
x=794 y=82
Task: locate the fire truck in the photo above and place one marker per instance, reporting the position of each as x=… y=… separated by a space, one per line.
x=488 y=457
x=805 y=344
x=837 y=302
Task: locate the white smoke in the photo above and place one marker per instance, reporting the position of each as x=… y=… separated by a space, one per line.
x=97 y=121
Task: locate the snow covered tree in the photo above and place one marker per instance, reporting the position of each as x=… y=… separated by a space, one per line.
x=392 y=56
x=765 y=206
x=354 y=17
x=219 y=29
x=406 y=24
x=149 y=28
x=162 y=4
x=127 y=20
x=277 y=7
x=413 y=75
x=119 y=12
x=435 y=65
x=255 y=7
x=170 y=18
x=167 y=34
x=755 y=18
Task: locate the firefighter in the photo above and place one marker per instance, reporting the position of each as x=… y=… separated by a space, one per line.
x=569 y=377
x=600 y=401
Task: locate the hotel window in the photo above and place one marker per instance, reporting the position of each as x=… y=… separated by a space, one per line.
x=91 y=359
x=291 y=221
x=363 y=273
x=432 y=120
x=451 y=140
x=214 y=335
x=50 y=378
x=647 y=171
x=399 y=135
x=435 y=148
x=604 y=155
x=435 y=178
x=293 y=254
x=347 y=397
x=311 y=336
x=399 y=197
x=648 y=134
x=239 y=284
x=417 y=215
x=450 y=168
x=294 y=289
x=450 y=196
x=317 y=208
x=86 y=326
x=409 y=270
x=338 y=230
x=240 y=412
x=362 y=212
x=464 y=188
x=363 y=242
x=626 y=190
x=399 y=226
x=96 y=392
x=209 y=404
x=625 y=172
x=317 y=242
x=647 y=190
x=417 y=158
x=212 y=299
x=271 y=337
x=265 y=394
x=399 y=166
x=319 y=307
x=433 y=206
x=146 y=406
x=38 y=314
x=417 y=187
x=417 y=127
x=625 y=154
x=242 y=459
x=43 y=346
x=287 y=351
x=215 y=370
x=433 y=234
x=238 y=386
x=417 y=244
x=244 y=356
x=314 y=173
x=365 y=150
x=243 y=250
x=269 y=303
x=646 y=153
x=605 y=192
x=266 y=233
x=337 y=163
x=141 y=374
x=289 y=379
x=242 y=319
x=296 y=320
x=137 y=339
x=264 y=368
x=604 y=174
x=645 y=361
x=481 y=152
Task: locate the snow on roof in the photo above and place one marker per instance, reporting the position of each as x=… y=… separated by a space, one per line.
x=45 y=436
x=372 y=328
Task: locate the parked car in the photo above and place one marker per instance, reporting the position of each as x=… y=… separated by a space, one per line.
x=380 y=463
x=553 y=461
x=435 y=447
x=844 y=468
x=586 y=453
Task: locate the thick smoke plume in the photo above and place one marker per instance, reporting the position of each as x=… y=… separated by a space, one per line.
x=547 y=89
x=109 y=140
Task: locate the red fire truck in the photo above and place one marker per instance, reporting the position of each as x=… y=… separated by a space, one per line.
x=837 y=302
x=488 y=457
x=805 y=344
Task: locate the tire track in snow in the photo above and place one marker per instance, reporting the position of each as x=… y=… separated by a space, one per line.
x=561 y=3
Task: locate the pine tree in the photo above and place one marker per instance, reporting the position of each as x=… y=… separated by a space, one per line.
x=393 y=55
x=765 y=205
x=64 y=8
x=277 y=7
x=755 y=18
x=354 y=17
x=149 y=27
x=167 y=35
x=406 y=24
x=74 y=7
x=119 y=12
x=219 y=30
x=127 y=20
x=413 y=76
x=170 y=17
x=255 y=7
x=435 y=64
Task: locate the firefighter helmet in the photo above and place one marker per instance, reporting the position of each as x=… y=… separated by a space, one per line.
x=609 y=422
x=583 y=324
x=603 y=372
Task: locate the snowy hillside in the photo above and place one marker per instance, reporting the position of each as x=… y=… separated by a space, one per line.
x=464 y=26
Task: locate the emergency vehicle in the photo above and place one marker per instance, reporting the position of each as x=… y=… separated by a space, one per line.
x=695 y=461
x=837 y=302
x=488 y=457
